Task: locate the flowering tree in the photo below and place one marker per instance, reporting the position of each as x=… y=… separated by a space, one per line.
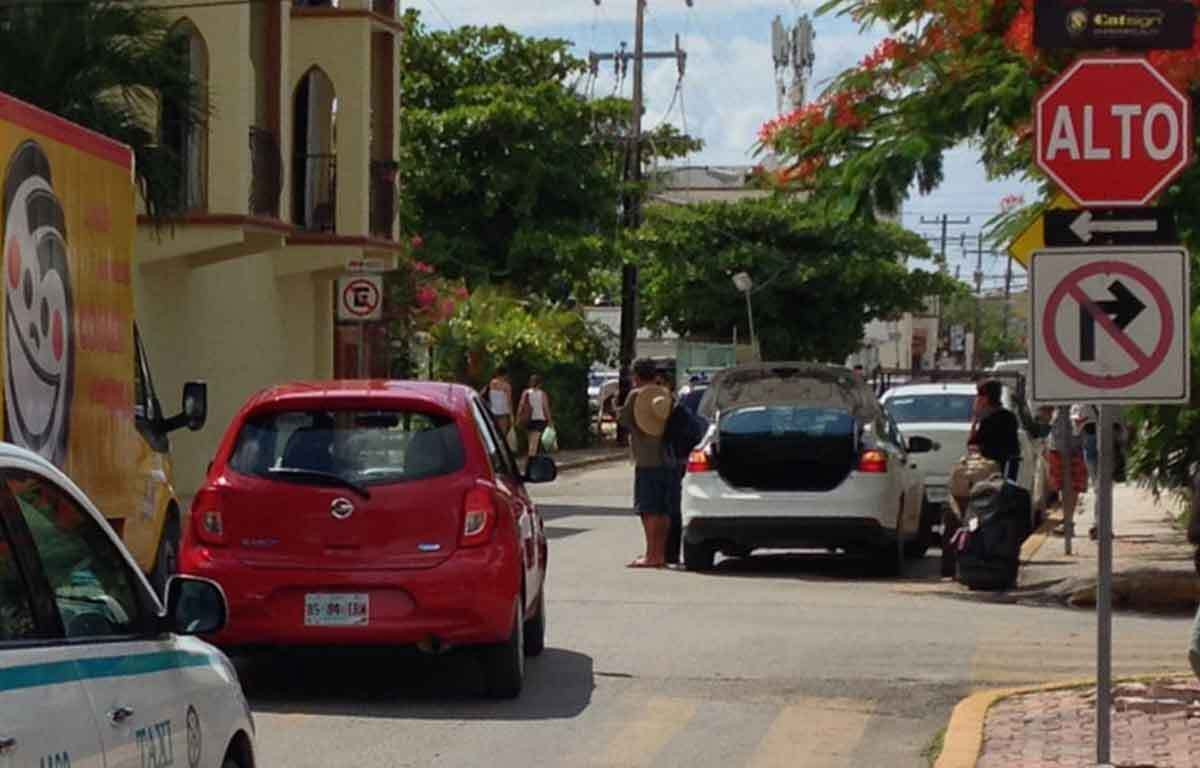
x=955 y=71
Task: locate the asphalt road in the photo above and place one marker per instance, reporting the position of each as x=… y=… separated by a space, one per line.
x=787 y=660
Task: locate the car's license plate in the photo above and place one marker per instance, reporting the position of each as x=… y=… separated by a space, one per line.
x=337 y=610
x=937 y=494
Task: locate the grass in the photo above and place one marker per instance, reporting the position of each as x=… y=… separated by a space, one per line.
x=932 y=752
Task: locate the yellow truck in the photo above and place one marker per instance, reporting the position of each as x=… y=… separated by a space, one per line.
x=76 y=384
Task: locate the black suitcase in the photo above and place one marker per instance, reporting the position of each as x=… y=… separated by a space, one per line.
x=998 y=520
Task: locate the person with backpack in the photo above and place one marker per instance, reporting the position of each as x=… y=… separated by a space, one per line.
x=684 y=431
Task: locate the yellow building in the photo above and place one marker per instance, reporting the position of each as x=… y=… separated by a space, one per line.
x=292 y=176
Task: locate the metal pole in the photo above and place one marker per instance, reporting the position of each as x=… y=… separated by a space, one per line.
x=1007 y=296
x=1063 y=446
x=362 y=350
x=978 y=292
x=1104 y=590
x=633 y=216
x=753 y=338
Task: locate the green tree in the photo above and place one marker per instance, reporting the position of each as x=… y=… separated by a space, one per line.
x=992 y=344
x=955 y=72
x=816 y=283
x=108 y=66
x=510 y=175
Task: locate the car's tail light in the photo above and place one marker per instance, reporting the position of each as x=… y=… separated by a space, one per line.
x=207 y=520
x=479 y=517
x=699 y=461
x=874 y=462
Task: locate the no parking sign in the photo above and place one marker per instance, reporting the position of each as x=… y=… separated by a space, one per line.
x=1110 y=325
x=360 y=298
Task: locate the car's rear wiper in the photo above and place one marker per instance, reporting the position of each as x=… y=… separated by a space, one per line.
x=325 y=477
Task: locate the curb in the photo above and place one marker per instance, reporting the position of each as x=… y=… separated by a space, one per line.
x=1033 y=545
x=567 y=466
x=964 y=733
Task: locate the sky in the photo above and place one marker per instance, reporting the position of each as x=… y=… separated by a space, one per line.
x=728 y=90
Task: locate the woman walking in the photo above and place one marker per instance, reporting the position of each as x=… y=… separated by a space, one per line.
x=499 y=400
x=534 y=413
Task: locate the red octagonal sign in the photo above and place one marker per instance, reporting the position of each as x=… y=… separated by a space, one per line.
x=1113 y=131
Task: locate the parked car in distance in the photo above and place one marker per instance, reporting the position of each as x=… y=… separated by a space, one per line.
x=597 y=381
x=943 y=413
x=800 y=456
x=94 y=670
x=376 y=513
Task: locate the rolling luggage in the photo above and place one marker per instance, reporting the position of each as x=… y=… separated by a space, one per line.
x=969 y=470
x=998 y=520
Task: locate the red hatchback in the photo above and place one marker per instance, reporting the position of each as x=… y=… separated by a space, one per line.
x=374 y=513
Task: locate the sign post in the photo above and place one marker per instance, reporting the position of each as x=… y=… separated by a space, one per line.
x=1110 y=309
x=360 y=300
x=1109 y=326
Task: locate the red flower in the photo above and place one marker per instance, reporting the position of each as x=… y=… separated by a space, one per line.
x=422 y=268
x=426 y=296
x=417 y=242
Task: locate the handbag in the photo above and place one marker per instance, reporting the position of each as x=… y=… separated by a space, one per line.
x=550 y=439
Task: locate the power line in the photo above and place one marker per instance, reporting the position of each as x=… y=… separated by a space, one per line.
x=438 y=9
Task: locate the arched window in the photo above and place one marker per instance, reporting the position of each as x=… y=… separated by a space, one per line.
x=186 y=136
x=314 y=166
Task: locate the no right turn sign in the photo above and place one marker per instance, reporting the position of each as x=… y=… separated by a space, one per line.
x=1110 y=325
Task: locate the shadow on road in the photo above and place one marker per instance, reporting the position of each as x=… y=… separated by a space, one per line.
x=388 y=683
x=560 y=511
x=823 y=566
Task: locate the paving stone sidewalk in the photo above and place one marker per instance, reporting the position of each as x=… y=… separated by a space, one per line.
x=1152 y=563
x=1155 y=725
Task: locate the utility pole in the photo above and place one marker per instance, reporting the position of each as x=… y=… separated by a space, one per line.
x=1008 y=276
x=632 y=201
x=978 y=296
x=945 y=222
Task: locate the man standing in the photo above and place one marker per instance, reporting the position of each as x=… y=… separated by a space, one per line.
x=644 y=414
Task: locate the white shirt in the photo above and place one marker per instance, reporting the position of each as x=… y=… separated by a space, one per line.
x=537 y=405
x=498 y=400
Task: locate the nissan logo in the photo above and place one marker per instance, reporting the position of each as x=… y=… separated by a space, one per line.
x=341 y=509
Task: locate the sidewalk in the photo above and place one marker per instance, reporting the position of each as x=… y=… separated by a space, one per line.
x=586 y=457
x=1155 y=725
x=1152 y=562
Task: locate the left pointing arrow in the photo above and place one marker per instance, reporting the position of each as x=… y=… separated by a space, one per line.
x=1085 y=226
x=1123 y=308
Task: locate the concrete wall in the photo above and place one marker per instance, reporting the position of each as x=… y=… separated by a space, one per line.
x=238 y=327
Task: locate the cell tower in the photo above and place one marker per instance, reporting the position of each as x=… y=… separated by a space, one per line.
x=794 y=52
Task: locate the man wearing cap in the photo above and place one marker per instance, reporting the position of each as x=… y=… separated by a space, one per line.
x=644 y=414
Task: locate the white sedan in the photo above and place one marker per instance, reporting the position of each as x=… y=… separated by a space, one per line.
x=800 y=456
x=942 y=412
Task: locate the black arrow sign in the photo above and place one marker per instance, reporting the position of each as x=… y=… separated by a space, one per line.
x=1124 y=308
x=1110 y=226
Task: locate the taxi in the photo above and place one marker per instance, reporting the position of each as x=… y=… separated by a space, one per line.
x=94 y=671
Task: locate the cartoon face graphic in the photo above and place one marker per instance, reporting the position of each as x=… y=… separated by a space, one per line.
x=39 y=327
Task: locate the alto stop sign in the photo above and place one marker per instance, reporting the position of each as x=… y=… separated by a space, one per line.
x=1113 y=132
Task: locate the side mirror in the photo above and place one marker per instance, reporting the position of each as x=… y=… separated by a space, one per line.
x=195 y=606
x=920 y=444
x=541 y=469
x=195 y=404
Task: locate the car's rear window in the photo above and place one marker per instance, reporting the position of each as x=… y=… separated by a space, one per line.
x=787 y=421
x=361 y=447
x=915 y=409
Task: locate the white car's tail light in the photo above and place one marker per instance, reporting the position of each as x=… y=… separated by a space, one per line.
x=699 y=461
x=873 y=462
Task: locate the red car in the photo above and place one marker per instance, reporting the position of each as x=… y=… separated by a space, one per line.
x=374 y=513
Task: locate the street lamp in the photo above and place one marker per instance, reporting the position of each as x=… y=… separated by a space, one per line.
x=744 y=283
